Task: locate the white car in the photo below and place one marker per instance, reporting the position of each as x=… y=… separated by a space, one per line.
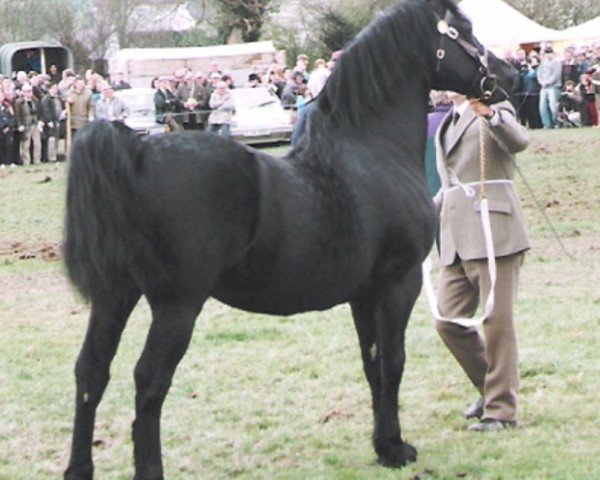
x=259 y=117
x=142 y=114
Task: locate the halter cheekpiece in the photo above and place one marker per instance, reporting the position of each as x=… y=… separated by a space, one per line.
x=488 y=83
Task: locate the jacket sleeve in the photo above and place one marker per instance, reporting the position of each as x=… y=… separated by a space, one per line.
x=508 y=131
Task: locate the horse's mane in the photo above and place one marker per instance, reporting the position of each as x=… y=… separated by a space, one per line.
x=388 y=55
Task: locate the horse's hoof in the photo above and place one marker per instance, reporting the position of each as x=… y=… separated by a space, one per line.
x=398 y=457
x=74 y=473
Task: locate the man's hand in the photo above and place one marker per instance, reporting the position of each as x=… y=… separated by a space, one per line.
x=481 y=109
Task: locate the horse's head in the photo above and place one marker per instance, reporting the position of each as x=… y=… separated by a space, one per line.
x=462 y=63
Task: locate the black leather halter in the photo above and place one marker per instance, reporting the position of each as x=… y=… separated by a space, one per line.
x=488 y=83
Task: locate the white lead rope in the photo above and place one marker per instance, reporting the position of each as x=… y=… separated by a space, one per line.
x=491 y=259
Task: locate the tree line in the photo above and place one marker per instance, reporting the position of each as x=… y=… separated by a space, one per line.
x=90 y=28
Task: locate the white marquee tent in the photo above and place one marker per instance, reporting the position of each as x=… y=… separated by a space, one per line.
x=589 y=30
x=497 y=24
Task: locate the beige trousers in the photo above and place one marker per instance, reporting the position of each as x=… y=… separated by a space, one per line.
x=31 y=134
x=52 y=147
x=489 y=355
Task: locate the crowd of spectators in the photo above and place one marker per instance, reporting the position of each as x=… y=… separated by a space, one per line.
x=33 y=112
x=555 y=90
x=36 y=110
x=195 y=100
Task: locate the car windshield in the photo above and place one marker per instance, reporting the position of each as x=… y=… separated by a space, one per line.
x=251 y=98
x=139 y=103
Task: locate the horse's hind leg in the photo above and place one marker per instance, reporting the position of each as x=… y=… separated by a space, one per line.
x=167 y=341
x=381 y=316
x=108 y=317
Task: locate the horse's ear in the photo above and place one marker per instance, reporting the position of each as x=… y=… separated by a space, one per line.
x=442 y=5
x=438 y=6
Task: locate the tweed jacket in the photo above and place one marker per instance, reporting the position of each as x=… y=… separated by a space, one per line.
x=201 y=95
x=457 y=147
x=24 y=116
x=82 y=109
x=119 y=109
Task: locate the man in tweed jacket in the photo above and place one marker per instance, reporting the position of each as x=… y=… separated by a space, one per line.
x=490 y=357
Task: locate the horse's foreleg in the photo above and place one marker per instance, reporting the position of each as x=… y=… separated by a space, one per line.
x=92 y=371
x=381 y=319
x=166 y=344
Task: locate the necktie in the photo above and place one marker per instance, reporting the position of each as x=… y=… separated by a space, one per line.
x=455 y=117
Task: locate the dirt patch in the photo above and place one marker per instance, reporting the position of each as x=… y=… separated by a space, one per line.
x=50 y=252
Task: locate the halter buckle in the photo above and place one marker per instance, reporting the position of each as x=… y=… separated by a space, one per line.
x=443 y=27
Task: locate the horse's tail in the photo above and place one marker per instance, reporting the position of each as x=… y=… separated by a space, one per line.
x=104 y=162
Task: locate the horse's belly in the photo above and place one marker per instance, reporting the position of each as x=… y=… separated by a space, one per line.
x=283 y=294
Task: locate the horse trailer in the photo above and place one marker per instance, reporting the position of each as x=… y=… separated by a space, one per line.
x=34 y=55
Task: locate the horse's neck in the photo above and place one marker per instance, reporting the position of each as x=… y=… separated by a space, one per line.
x=401 y=129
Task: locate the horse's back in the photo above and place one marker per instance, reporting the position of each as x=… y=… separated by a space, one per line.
x=199 y=200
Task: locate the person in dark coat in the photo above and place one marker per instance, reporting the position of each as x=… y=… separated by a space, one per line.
x=8 y=124
x=166 y=104
x=440 y=106
x=52 y=114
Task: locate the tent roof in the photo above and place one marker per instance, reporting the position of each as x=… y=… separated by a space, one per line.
x=496 y=23
x=214 y=51
x=586 y=30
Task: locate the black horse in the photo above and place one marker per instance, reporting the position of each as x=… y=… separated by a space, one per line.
x=344 y=217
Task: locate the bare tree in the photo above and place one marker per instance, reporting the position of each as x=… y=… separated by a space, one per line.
x=558 y=13
x=242 y=20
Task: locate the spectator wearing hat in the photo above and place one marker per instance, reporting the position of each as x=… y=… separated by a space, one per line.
x=28 y=113
x=194 y=95
x=549 y=76
x=166 y=103
x=110 y=107
x=188 y=102
x=221 y=103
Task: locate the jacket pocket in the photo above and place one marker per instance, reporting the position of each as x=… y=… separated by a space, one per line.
x=495 y=205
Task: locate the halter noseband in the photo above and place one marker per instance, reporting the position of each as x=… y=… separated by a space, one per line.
x=488 y=83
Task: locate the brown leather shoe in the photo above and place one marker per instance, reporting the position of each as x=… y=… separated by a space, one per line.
x=491 y=425
x=475 y=410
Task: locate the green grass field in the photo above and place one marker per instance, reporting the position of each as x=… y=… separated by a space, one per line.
x=260 y=397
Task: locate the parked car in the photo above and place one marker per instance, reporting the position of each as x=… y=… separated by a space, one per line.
x=259 y=117
x=142 y=116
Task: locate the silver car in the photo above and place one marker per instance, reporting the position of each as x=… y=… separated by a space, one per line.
x=142 y=116
x=259 y=117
